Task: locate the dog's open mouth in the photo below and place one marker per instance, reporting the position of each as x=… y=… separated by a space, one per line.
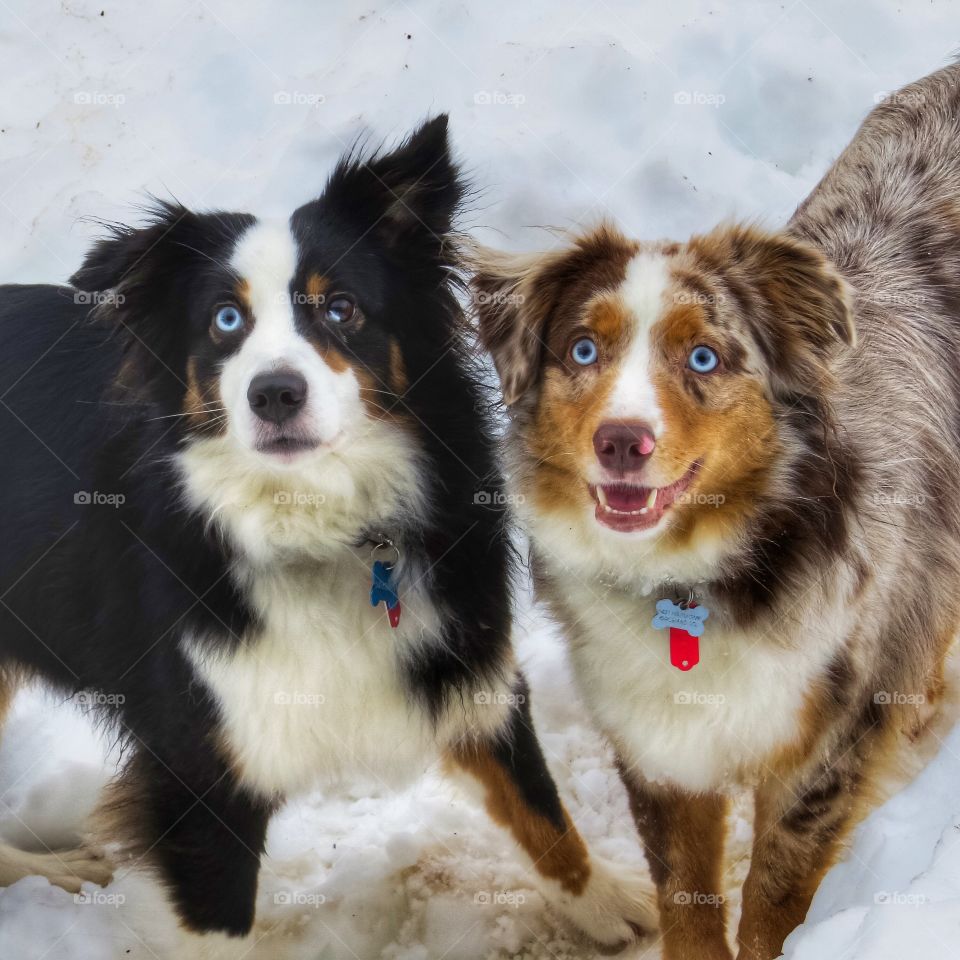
x=628 y=508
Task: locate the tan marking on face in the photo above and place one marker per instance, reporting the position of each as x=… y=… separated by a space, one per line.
x=316 y=288
x=242 y=298
x=202 y=403
x=560 y=856
x=379 y=398
x=334 y=358
x=608 y=319
x=573 y=401
x=398 y=369
x=732 y=433
x=372 y=393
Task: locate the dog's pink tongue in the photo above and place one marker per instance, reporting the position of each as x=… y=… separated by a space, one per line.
x=626 y=498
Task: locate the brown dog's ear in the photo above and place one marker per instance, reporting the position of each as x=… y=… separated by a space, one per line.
x=798 y=306
x=515 y=296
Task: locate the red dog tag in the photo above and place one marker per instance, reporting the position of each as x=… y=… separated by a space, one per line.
x=684 y=649
x=393 y=614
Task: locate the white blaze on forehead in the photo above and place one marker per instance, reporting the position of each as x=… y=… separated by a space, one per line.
x=265 y=257
x=643 y=293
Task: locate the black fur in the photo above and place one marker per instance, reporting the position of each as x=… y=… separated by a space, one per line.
x=520 y=755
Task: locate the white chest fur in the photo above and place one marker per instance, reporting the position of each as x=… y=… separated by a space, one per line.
x=318 y=694
x=702 y=729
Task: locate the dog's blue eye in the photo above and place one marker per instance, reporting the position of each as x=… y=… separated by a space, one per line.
x=228 y=320
x=584 y=352
x=703 y=360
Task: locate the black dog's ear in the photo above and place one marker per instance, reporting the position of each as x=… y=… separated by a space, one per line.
x=124 y=257
x=407 y=195
x=134 y=279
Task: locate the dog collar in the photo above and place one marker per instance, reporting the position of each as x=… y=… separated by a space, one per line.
x=685 y=620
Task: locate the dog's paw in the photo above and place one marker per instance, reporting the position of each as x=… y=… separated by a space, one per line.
x=616 y=907
x=64 y=868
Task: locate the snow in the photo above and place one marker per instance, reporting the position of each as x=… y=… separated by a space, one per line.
x=665 y=117
x=898 y=892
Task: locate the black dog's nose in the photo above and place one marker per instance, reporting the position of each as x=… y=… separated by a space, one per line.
x=276 y=397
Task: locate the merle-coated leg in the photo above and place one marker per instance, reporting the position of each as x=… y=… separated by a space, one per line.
x=610 y=904
x=799 y=824
x=683 y=835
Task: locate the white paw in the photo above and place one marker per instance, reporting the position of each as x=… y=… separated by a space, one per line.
x=618 y=905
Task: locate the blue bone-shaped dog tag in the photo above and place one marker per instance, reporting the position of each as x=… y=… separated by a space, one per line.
x=382 y=591
x=670 y=614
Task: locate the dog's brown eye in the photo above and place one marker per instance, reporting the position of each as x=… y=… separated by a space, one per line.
x=340 y=309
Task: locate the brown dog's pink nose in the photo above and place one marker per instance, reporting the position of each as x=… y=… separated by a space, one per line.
x=623 y=447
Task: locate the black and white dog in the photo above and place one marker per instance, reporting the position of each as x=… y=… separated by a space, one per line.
x=255 y=433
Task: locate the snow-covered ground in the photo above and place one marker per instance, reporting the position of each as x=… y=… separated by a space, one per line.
x=664 y=116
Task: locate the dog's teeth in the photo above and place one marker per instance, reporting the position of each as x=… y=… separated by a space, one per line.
x=651 y=500
x=602 y=497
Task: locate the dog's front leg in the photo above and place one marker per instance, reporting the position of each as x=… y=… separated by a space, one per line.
x=611 y=904
x=683 y=835
x=186 y=819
